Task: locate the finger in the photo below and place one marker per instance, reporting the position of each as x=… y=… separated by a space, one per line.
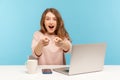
x=46 y=39
x=56 y=39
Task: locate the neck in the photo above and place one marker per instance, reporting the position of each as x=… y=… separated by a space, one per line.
x=51 y=33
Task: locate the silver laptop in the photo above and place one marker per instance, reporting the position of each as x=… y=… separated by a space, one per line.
x=85 y=58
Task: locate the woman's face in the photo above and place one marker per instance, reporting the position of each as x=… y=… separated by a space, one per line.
x=50 y=22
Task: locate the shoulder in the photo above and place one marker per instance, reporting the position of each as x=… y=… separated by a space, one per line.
x=38 y=33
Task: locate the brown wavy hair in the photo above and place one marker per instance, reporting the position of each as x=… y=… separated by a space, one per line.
x=60 y=29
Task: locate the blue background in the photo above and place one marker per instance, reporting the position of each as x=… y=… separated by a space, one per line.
x=87 y=21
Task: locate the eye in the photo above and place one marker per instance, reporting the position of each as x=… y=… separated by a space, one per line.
x=54 y=19
x=47 y=18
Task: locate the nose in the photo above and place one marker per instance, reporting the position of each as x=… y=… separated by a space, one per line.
x=51 y=21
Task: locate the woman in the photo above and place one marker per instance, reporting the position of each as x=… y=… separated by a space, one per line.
x=51 y=42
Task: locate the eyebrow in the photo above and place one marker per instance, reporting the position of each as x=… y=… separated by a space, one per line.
x=49 y=17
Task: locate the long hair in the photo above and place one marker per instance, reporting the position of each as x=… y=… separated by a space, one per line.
x=60 y=29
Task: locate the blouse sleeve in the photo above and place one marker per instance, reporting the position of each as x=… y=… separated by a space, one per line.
x=35 y=41
x=70 y=44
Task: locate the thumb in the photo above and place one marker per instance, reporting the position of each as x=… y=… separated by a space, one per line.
x=59 y=40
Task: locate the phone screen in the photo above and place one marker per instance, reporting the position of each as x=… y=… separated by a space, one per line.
x=46 y=71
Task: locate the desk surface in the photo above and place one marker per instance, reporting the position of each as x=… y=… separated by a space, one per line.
x=18 y=72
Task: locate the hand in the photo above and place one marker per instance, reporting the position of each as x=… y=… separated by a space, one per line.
x=61 y=43
x=58 y=41
x=44 y=41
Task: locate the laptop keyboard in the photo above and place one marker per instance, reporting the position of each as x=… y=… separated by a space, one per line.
x=66 y=69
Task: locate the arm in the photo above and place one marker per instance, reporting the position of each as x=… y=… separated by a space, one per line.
x=66 y=46
x=43 y=42
x=38 y=42
x=38 y=49
x=35 y=42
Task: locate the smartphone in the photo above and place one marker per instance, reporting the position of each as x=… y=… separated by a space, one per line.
x=46 y=71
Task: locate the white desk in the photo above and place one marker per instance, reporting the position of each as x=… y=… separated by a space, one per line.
x=18 y=72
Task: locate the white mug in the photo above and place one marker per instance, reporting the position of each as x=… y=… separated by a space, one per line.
x=32 y=66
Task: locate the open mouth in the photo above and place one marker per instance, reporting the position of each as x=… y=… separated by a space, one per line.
x=51 y=27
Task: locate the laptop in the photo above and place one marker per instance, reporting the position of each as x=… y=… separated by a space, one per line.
x=85 y=58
